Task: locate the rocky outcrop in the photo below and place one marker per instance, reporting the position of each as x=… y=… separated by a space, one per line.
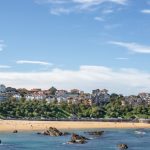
x=15 y=131
x=122 y=146
x=77 y=139
x=39 y=133
x=53 y=132
x=95 y=133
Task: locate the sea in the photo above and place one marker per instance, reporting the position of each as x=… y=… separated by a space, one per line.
x=135 y=139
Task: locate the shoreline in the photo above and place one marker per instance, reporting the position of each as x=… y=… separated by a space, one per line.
x=21 y=125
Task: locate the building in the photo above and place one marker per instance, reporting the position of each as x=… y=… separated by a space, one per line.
x=61 y=93
x=133 y=100
x=2 y=88
x=50 y=99
x=11 y=90
x=94 y=92
x=98 y=91
x=145 y=97
x=17 y=96
x=75 y=91
x=3 y=97
x=100 y=96
x=35 y=90
x=35 y=96
x=81 y=92
x=61 y=99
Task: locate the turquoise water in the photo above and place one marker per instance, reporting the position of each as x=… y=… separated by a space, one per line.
x=32 y=141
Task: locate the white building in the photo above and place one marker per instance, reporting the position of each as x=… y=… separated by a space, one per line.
x=2 y=88
x=35 y=97
x=17 y=96
x=50 y=99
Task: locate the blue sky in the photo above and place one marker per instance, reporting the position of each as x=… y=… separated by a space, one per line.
x=83 y=44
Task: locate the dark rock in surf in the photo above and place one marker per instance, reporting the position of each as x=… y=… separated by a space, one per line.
x=122 y=146
x=15 y=131
x=54 y=132
x=39 y=133
x=77 y=139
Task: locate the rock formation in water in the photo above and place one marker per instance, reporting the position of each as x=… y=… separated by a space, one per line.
x=15 y=131
x=53 y=132
x=78 y=139
x=122 y=146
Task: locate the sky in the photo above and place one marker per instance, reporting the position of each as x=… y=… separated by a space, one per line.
x=84 y=44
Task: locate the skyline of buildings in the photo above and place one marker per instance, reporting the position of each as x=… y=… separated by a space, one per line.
x=74 y=96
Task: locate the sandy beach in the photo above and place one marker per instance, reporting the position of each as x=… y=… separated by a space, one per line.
x=10 y=125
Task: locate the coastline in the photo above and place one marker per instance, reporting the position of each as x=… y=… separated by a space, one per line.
x=22 y=125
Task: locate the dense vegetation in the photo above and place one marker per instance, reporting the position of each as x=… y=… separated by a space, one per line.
x=41 y=109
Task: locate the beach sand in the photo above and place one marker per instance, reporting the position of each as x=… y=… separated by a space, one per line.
x=10 y=125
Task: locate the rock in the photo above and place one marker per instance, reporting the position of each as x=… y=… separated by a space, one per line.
x=122 y=146
x=0 y=142
x=15 y=131
x=53 y=132
x=95 y=133
x=38 y=133
x=77 y=139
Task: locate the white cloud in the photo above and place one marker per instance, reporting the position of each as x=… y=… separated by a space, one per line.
x=145 y=11
x=33 y=62
x=89 y=2
x=107 y=11
x=122 y=2
x=2 y=45
x=126 y=81
x=98 y=19
x=60 y=10
x=122 y=58
x=112 y=26
x=134 y=47
x=50 y=1
x=96 y=2
x=69 y=6
x=4 y=66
